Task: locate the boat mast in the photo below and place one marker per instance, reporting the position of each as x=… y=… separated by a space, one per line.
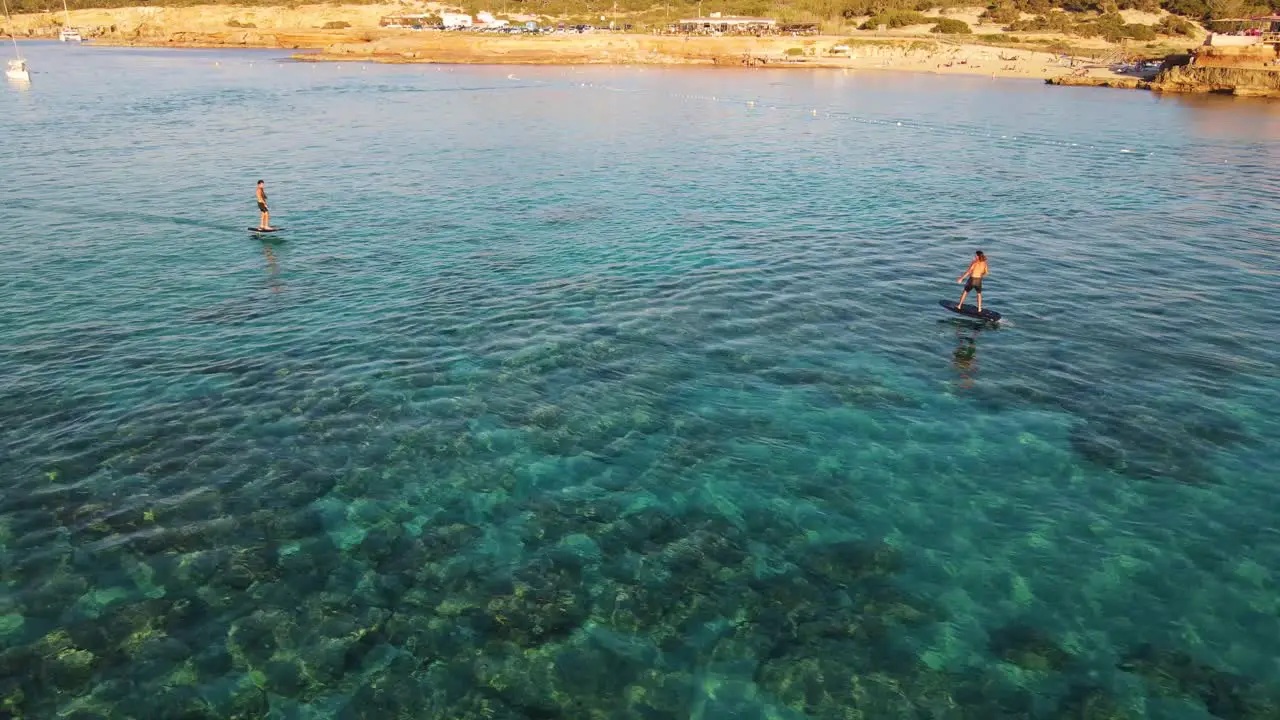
x=9 y=21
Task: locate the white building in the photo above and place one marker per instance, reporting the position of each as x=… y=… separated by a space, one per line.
x=456 y=20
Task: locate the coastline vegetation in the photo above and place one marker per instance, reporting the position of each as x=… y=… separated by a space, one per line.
x=1059 y=15
x=894 y=19
x=951 y=26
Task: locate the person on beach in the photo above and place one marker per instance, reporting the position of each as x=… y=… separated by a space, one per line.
x=265 y=222
x=977 y=270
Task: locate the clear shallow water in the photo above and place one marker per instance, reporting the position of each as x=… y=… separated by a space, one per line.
x=591 y=392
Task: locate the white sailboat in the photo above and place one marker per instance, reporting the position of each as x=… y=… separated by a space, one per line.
x=16 y=70
x=68 y=34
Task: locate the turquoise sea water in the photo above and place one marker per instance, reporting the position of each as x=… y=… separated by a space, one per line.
x=624 y=393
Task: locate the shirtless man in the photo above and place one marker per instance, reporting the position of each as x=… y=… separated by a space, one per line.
x=977 y=270
x=265 y=222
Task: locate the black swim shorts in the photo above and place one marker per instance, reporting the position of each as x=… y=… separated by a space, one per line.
x=262 y=207
x=973 y=284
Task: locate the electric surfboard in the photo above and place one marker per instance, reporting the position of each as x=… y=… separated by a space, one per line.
x=970 y=311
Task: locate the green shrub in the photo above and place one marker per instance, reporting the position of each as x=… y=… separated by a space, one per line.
x=951 y=26
x=1035 y=7
x=1080 y=6
x=857 y=8
x=1051 y=22
x=1110 y=33
x=895 y=19
x=1002 y=15
x=795 y=51
x=336 y=25
x=1140 y=32
x=1112 y=28
x=1173 y=25
x=1188 y=8
x=238 y=24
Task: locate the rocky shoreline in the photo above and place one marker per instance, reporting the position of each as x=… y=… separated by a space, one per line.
x=1244 y=72
x=1221 y=81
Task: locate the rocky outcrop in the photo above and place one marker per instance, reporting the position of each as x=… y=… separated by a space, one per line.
x=1250 y=82
x=1112 y=82
x=1253 y=82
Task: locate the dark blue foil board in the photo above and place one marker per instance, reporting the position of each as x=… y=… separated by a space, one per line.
x=970 y=311
x=260 y=230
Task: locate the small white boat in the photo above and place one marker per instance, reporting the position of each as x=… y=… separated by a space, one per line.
x=68 y=34
x=17 y=71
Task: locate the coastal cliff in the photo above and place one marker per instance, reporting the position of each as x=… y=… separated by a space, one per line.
x=1255 y=82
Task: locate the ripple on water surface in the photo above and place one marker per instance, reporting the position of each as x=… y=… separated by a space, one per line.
x=623 y=393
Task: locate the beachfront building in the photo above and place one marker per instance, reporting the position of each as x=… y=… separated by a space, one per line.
x=727 y=25
x=1242 y=32
x=454 y=21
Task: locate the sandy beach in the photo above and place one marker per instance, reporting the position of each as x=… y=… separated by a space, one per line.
x=903 y=54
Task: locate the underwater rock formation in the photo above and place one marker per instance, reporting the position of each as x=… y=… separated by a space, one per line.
x=1029 y=648
x=1176 y=674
